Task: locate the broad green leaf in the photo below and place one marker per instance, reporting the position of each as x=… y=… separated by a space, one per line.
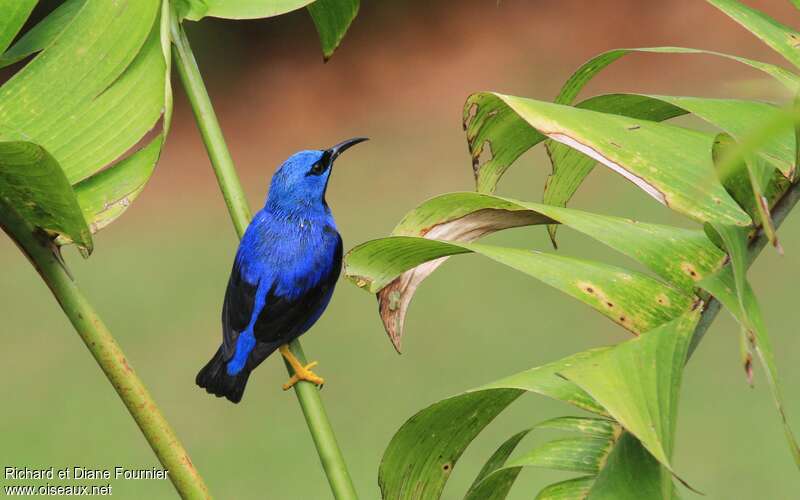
x=569 y=169
x=194 y=10
x=646 y=405
x=633 y=300
x=85 y=131
x=423 y=452
x=43 y=34
x=559 y=188
x=104 y=196
x=332 y=19
x=630 y=473
x=625 y=470
x=120 y=90
x=15 y=13
x=39 y=100
x=741 y=119
x=32 y=182
x=726 y=114
x=731 y=288
x=672 y=164
x=117 y=119
x=680 y=256
x=585 y=452
x=783 y=39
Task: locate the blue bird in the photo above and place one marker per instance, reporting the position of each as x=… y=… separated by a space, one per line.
x=283 y=275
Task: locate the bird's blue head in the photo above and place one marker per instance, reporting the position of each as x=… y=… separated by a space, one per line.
x=300 y=183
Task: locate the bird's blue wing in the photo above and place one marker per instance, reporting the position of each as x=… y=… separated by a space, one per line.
x=237 y=308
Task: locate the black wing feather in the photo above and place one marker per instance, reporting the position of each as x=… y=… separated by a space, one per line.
x=240 y=297
x=283 y=320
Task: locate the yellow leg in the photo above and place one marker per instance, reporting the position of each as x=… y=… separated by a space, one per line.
x=300 y=372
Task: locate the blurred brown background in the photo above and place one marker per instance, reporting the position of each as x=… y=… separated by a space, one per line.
x=400 y=77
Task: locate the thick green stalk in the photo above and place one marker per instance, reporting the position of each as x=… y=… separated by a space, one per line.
x=307 y=394
x=109 y=356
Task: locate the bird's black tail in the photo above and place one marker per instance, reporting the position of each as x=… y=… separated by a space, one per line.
x=215 y=379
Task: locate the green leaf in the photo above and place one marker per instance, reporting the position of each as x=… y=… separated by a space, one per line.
x=423 y=452
x=585 y=453
x=593 y=66
x=571 y=167
x=43 y=34
x=509 y=135
x=104 y=196
x=33 y=185
x=65 y=104
x=633 y=300
x=501 y=482
x=753 y=183
x=630 y=473
x=646 y=405
x=681 y=256
x=672 y=164
x=781 y=38
x=89 y=112
x=15 y=13
x=194 y=10
x=731 y=288
x=332 y=19
x=678 y=255
x=741 y=119
x=571 y=489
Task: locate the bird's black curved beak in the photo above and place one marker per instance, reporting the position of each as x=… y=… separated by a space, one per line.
x=340 y=148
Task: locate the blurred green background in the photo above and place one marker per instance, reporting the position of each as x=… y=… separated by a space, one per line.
x=158 y=275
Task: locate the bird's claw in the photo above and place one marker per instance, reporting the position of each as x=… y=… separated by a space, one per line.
x=304 y=373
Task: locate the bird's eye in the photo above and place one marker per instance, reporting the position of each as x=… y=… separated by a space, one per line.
x=322 y=165
x=317 y=168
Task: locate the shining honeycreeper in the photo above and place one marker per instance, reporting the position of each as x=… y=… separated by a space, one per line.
x=283 y=275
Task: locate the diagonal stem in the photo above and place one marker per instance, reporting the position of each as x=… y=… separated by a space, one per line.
x=307 y=394
x=779 y=212
x=108 y=354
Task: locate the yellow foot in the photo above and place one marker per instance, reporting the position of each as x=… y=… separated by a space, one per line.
x=300 y=372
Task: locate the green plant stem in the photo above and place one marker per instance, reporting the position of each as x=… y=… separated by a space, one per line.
x=307 y=394
x=779 y=213
x=109 y=356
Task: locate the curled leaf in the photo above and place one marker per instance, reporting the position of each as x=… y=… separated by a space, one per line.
x=677 y=255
